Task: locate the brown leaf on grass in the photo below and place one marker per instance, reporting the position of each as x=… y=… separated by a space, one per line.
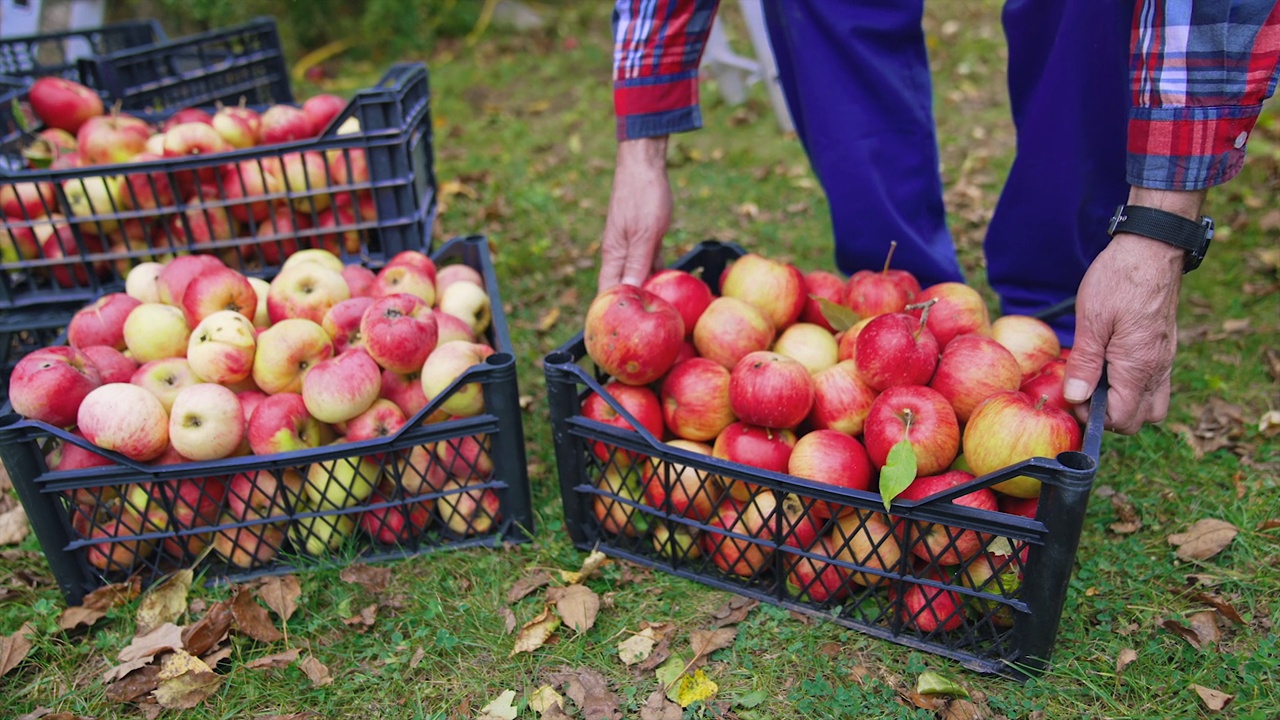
x=734 y=611
x=1126 y=658
x=280 y=593
x=217 y=656
x=14 y=648
x=124 y=669
x=209 y=630
x=251 y=618
x=590 y=692
x=14 y=526
x=164 y=638
x=95 y=605
x=373 y=579
x=658 y=707
x=548 y=319
x=135 y=685
x=705 y=642
x=1214 y=700
x=1201 y=632
x=637 y=647
x=1271 y=356
x=306 y=715
x=535 y=632
x=1269 y=423
x=1206 y=538
x=593 y=562
x=659 y=654
x=1266 y=525
x=164 y=602
x=509 y=621
x=577 y=605
x=185 y=681
x=1221 y=606
x=316 y=671
x=367 y=616
x=1220 y=425
x=1127 y=520
x=278 y=660
x=961 y=709
x=527 y=584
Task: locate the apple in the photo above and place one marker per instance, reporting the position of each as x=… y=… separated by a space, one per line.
x=800 y=529
x=248 y=546
x=821 y=284
x=188 y=504
x=286 y=351
x=177 y=274
x=284 y=123
x=770 y=390
x=615 y=506
x=841 y=400
x=1010 y=427
x=971 y=369
x=113 y=365
x=754 y=518
x=811 y=344
x=49 y=384
x=18 y=243
x=222 y=347
x=95 y=202
x=457 y=272
x=675 y=542
x=1047 y=384
x=186 y=115
x=146 y=190
x=339 y=388
x=450 y=328
x=920 y=415
x=682 y=490
x=466 y=458
x=929 y=609
x=154 y=331
x=686 y=292
x=114 y=545
x=68 y=255
x=164 y=378
x=447 y=363
x=995 y=574
x=237 y=125
x=398 y=522
x=632 y=334
x=141 y=433
x=818 y=578
x=261 y=288
x=473 y=511
x=418 y=470
x=405 y=390
x=869 y=294
x=321 y=110
x=341 y=482
x=638 y=400
x=249 y=186
x=68 y=456
x=112 y=139
x=194 y=139
x=62 y=103
x=731 y=328
x=28 y=200
x=321 y=534
x=304 y=177
x=342 y=322
x=281 y=423
x=305 y=291
x=830 y=458
x=219 y=290
x=847 y=341
x=102 y=322
x=756 y=446
x=404 y=278
x=468 y=302
x=277 y=237
x=776 y=288
x=943 y=544
x=895 y=350
x=865 y=539
x=695 y=399
x=958 y=309
x=1031 y=340
x=256 y=494
x=141 y=283
x=383 y=419
x=314 y=255
x=399 y=332
x=204 y=221
x=359 y=279
x=415 y=259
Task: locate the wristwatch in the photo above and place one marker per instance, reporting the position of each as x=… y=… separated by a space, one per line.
x=1192 y=236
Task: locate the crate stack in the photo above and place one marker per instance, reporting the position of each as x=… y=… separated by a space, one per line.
x=456 y=480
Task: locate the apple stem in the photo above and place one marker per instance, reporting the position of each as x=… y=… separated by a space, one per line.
x=116 y=108
x=907 y=417
x=924 y=312
x=893 y=245
x=1040 y=401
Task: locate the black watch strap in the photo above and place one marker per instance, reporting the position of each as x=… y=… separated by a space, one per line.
x=1167 y=227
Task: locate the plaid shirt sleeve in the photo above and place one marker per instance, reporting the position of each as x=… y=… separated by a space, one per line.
x=656 y=50
x=1200 y=71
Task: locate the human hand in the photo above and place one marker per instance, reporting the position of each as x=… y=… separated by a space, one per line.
x=639 y=214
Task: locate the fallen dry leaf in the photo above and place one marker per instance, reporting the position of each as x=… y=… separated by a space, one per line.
x=164 y=602
x=500 y=708
x=135 y=685
x=1203 y=540
x=637 y=647
x=658 y=707
x=210 y=630
x=278 y=660
x=509 y=621
x=1127 y=520
x=961 y=709
x=535 y=632
x=95 y=605
x=316 y=671
x=590 y=692
x=593 y=562
x=373 y=579
x=217 y=656
x=185 y=681
x=367 y=616
x=123 y=670
x=251 y=618
x=1223 y=608
x=734 y=611
x=1126 y=658
x=548 y=319
x=14 y=648
x=164 y=638
x=14 y=526
x=577 y=605
x=280 y=593
x=705 y=642
x=1268 y=525
x=694 y=688
x=418 y=655
x=1219 y=425
x=1269 y=423
x=1214 y=700
x=544 y=698
x=1201 y=632
x=527 y=584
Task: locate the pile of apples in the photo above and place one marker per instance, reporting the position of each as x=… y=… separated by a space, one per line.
x=819 y=377
x=278 y=202
x=196 y=362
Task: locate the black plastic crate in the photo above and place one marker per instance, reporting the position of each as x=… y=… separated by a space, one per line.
x=58 y=53
x=856 y=571
x=360 y=215
x=456 y=481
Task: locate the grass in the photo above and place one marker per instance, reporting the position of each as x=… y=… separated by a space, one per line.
x=524 y=143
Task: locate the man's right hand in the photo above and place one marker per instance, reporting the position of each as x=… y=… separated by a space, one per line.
x=639 y=214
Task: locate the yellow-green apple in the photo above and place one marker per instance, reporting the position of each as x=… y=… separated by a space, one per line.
x=971 y=369
x=695 y=399
x=142 y=282
x=457 y=272
x=895 y=350
x=261 y=288
x=249 y=187
x=125 y=418
x=112 y=139
x=824 y=285
x=283 y=123
x=305 y=291
x=218 y=290
x=314 y=255
x=639 y=400
x=754 y=518
x=466 y=458
x=260 y=494
x=683 y=490
x=94 y=201
x=102 y=322
x=281 y=423
x=18 y=243
x=811 y=344
x=342 y=322
x=841 y=400
x=632 y=334
x=237 y=125
x=469 y=510
x=192 y=503
x=447 y=363
x=66 y=254
x=305 y=177
x=28 y=200
x=50 y=383
x=865 y=539
x=418 y=470
x=920 y=415
x=416 y=259
x=686 y=292
x=468 y=302
x=404 y=278
x=63 y=104
x=847 y=341
x=729 y=329
x=959 y=309
x=286 y=352
x=929 y=608
x=359 y=279
x=321 y=109
x=206 y=422
x=1010 y=427
x=222 y=347
x=818 y=578
x=399 y=332
x=1047 y=383
x=776 y=288
x=339 y=388
x=450 y=328
x=164 y=378
x=177 y=274
x=154 y=331
x=113 y=365
x=994 y=574
x=675 y=541
x=390 y=520
x=754 y=445
x=321 y=534
x=115 y=544
x=341 y=482
x=938 y=543
x=830 y=458
x=405 y=390
x=1031 y=340
x=615 y=506
x=248 y=546
x=770 y=390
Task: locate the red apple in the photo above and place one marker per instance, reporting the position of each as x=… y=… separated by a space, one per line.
x=405 y=390
x=142 y=433
x=683 y=490
x=818 y=579
x=770 y=390
x=359 y=279
x=776 y=288
x=929 y=609
x=112 y=139
x=339 y=388
x=281 y=423
x=870 y=294
x=286 y=352
x=841 y=400
x=28 y=200
x=959 y=309
x=284 y=123
x=216 y=290
x=469 y=511
x=830 y=458
x=321 y=110
x=920 y=415
x=342 y=322
x=113 y=365
x=820 y=284
x=383 y=419
x=178 y=273
x=49 y=384
x=971 y=369
x=305 y=291
x=396 y=522
x=415 y=259
x=638 y=400
x=255 y=494
x=756 y=446
x=1010 y=427
x=1047 y=384
x=102 y=322
x=895 y=350
x=404 y=278
x=399 y=332
x=243 y=183
x=632 y=334
x=186 y=115
x=865 y=539
x=69 y=263
x=731 y=328
x=847 y=341
x=239 y=126
x=944 y=544
x=276 y=237
x=62 y=103
x=754 y=518
x=1031 y=340
x=146 y=190
x=686 y=292
x=304 y=176
x=695 y=399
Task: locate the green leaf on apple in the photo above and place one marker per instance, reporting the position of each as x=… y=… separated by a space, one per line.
x=20 y=117
x=899 y=471
x=840 y=317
